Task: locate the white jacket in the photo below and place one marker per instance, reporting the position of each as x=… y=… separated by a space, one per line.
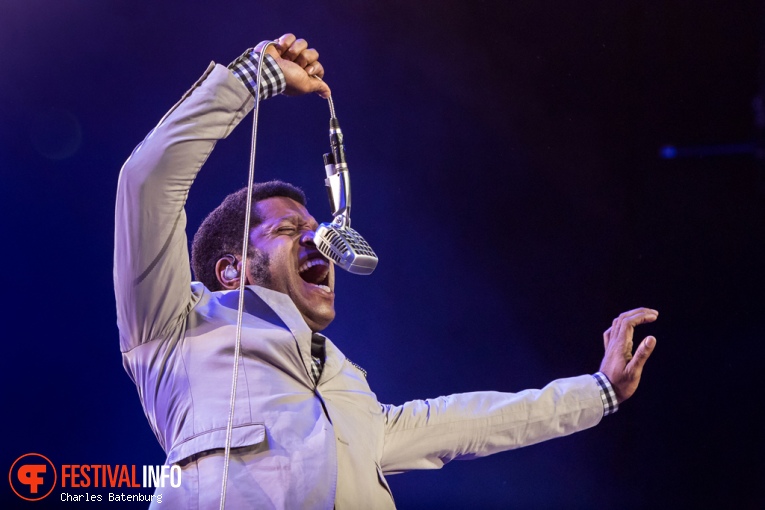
x=299 y=444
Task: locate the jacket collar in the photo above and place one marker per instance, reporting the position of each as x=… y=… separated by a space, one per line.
x=291 y=317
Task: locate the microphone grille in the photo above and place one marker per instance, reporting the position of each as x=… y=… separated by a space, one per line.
x=346 y=248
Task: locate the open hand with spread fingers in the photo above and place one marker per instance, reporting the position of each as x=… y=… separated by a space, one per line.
x=621 y=367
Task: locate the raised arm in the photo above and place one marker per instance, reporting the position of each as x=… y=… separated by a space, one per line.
x=151 y=261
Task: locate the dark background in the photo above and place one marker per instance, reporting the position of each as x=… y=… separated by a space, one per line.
x=506 y=169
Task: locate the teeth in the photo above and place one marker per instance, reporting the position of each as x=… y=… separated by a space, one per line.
x=313 y=262
x=324 y=288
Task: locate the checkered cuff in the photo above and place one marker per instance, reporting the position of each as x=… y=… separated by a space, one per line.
x=246 y=69
x=607 y=395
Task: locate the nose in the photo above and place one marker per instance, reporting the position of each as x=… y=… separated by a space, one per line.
x=306 y=239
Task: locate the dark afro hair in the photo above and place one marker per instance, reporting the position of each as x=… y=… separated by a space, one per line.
x=221 y=232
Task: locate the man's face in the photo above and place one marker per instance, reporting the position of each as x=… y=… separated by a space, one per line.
x=286 y=260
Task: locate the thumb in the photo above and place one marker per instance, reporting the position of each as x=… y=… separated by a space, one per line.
x=271 y=49
x=323 y=89
x=644 y=350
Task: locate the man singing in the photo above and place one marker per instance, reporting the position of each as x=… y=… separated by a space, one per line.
x=307 y=430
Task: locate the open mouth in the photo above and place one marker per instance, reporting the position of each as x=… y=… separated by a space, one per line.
x=316 y=272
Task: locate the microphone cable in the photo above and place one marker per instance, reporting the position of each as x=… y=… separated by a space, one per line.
x=242 y=280
x=334 y=241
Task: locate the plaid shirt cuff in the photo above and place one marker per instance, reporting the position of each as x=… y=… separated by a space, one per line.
x=607 y=394
x=246 y=69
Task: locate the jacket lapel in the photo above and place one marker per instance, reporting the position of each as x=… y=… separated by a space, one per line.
x=287 y=312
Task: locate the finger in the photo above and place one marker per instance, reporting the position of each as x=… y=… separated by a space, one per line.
x=284 y=42
x=637 y=310
x=625 y=330
x=322 y=89
x=315 y=69
x=628 y=320
x=270 y=50
x=635 y=317
x=644 y=350
x=606 y=338
x=295 y=49
x=307 y=57
x=611 y=331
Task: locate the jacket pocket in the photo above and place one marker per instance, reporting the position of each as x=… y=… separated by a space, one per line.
x=241 y=435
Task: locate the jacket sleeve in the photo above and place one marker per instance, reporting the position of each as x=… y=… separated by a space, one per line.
x=426 y=434
x=152 y=275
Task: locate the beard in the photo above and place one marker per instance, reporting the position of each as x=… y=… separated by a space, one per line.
x=260 y=268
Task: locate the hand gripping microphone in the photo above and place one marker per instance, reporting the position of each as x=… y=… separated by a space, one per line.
x=337 y=240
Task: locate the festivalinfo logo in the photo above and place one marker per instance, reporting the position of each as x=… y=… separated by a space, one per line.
x=33 y=477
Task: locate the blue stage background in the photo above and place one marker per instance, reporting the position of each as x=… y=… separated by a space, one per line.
x=506 y=168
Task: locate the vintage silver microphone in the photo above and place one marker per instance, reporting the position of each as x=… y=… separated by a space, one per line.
x=337 y=240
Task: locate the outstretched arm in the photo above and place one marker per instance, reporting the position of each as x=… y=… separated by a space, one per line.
x=426 y=434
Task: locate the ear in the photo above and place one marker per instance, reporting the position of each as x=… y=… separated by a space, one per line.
x=228 y=269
